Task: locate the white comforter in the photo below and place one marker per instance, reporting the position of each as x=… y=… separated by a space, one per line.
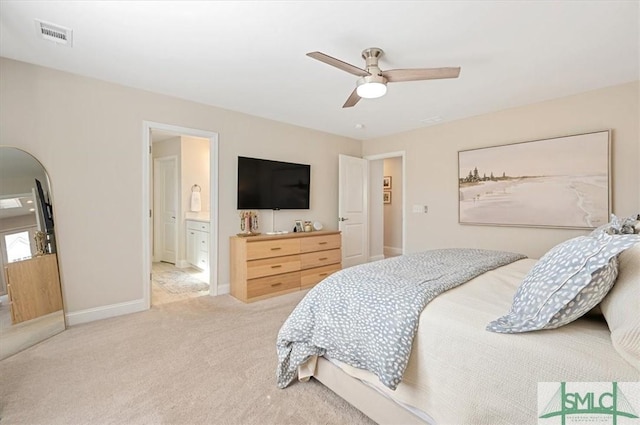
x=459 y=373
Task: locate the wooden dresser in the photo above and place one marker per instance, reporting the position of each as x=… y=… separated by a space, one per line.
x=34 y=287
x=265 y=266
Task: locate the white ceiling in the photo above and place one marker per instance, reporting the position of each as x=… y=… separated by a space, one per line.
x=250 y=56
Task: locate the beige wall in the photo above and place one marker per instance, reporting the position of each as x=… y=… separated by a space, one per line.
x=431 y=165
x=195 y=170
x=376 y=210
x=393 y=211
x=88 y=135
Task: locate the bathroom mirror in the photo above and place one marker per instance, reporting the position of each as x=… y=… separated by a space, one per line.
x=31 y=307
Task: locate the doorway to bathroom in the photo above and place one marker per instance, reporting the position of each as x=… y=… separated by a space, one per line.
x=182 y=199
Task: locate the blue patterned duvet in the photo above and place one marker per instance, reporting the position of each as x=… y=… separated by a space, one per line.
x=367 y=315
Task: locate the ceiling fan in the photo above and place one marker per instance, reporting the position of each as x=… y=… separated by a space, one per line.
x=373 y=81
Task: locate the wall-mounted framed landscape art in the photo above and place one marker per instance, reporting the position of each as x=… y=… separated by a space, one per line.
x=561 y=182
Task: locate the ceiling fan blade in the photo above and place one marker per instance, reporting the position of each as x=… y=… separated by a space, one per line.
x=417 y=74
x=338 y=64
x=353 y=99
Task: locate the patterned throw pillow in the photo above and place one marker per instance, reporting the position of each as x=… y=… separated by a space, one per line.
x=565 y=283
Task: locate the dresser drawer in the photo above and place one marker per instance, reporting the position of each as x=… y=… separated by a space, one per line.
x=320 y=258
x=273 y=284
x=310 y=277
x=271 y=266
x=317 y=243
x=198 y=225
x=275 y=248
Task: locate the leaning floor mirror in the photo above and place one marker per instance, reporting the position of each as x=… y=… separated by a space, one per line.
x=31 y=307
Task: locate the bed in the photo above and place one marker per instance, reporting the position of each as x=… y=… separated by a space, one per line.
x=459 y=372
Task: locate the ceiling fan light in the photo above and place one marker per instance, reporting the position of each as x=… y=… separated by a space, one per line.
x=371 y=90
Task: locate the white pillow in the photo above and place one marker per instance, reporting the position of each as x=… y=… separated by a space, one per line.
x=621 y=307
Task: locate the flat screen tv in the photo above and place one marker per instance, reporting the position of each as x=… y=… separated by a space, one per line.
x=272 y=185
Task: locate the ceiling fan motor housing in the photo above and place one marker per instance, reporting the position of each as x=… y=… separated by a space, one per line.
x=373 y=85
x=371 y=56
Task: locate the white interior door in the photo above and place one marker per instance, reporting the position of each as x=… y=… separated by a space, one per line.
x=166 y=201
x=353 y=209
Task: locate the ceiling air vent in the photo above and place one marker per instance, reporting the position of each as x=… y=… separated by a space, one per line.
x=55 y=33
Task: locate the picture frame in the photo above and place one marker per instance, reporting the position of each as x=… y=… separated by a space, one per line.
x=560 y=182
x=299 y=227
x=386 y=182
x=386 y=197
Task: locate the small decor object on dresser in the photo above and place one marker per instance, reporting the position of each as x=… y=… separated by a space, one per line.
x=41 y=243
x=248 y=223
x=298 y=227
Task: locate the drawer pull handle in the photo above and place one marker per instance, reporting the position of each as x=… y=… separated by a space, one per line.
x=323 y=274
x=323 y=258
x=276 y=266
x=276 y=284
x=276 y=248
x=322 y=243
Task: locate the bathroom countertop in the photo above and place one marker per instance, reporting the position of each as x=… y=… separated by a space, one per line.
x=198 y=216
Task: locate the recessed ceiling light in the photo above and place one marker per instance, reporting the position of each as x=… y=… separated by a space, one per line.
x=6 y=204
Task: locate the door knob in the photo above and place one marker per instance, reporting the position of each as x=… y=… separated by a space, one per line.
x=342 y=219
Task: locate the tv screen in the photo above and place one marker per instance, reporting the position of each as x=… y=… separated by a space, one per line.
x=45 y=209
x=274 y=185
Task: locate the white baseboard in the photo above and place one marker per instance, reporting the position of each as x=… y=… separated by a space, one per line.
x=224 y=289
x=392 y=251
x=99 y=313
x=376 y=257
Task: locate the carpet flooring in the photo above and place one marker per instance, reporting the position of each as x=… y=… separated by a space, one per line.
x=205 y=360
